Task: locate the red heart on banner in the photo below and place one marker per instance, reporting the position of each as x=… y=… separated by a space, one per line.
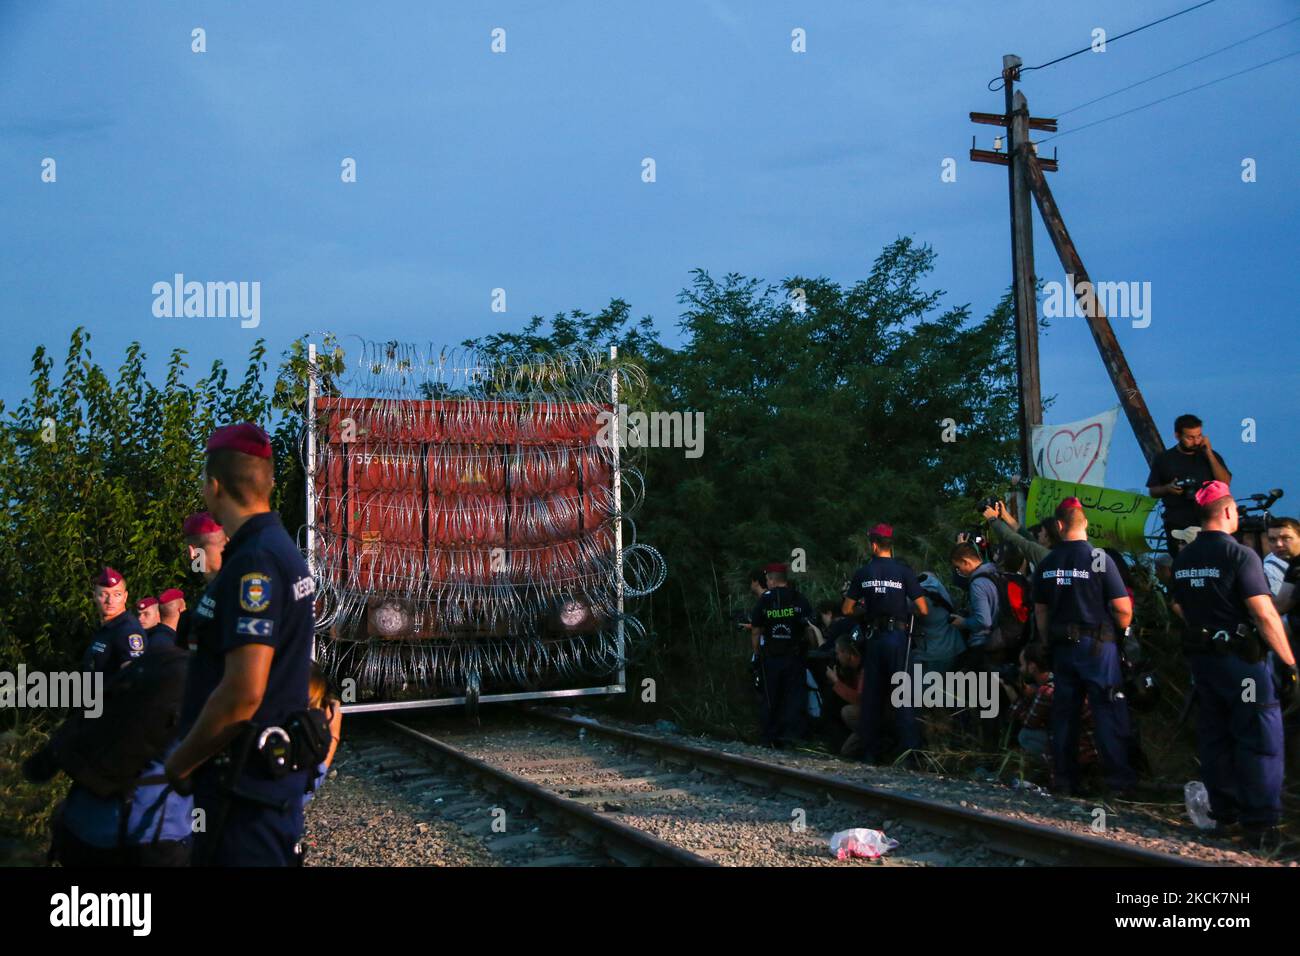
x=1071 y=451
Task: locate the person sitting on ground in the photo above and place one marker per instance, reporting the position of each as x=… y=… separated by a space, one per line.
x=845 y=676
x=1032 y=711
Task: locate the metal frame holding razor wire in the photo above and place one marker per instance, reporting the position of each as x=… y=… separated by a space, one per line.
x=471 y=697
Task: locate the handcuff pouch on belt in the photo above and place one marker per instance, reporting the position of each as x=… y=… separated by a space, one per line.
x=883 y=624
x=273 y=752
x=1243 y=640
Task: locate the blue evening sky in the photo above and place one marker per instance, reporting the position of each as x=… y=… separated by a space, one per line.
x=522 y=170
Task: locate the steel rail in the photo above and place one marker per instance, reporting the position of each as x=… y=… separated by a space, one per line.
x=626 y=844
x=1038 y=842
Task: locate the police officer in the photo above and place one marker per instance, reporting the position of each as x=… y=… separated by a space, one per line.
x=1082 y=607
x=171 y=605
x=883 y=595
x=1221 y=591
x=780 y=628
x=248 y=678
x=120 y=637
x=146 y=612
x=204 y=540
x=143 y=821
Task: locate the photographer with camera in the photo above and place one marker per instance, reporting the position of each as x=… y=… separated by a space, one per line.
x=845 y=676
x=1178 y=473
x=1033 y=546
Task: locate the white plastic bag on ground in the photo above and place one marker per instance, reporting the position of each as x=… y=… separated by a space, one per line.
x=1198 y=804
x=870 y=844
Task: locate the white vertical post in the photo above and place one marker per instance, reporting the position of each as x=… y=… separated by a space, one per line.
x=310 y=423
x=618 y=510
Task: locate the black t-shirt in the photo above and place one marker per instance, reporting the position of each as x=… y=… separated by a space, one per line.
x=885 y=587
x=783 y=614
x=1213 y=576
x=1181 y=511
x=1077 y=582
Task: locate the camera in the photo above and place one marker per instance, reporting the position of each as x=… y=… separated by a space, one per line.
x=1187 y=486
x=988 y=503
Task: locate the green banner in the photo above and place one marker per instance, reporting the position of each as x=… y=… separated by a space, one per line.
x=1115 y=518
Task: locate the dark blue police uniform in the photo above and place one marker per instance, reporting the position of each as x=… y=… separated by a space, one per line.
x=116 y=641
x=1239 y=742
x=884 y=589
x=1085 y=659
x=160 y=635
x=782 y=615
x=263 y=595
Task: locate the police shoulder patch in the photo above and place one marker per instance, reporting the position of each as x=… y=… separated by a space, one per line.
x=255 y=591
x=136 y=643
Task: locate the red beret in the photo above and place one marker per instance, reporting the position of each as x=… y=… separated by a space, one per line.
x=145 y=602
x=171 y=594
x=199 y=523
x=108 y=578
x=882 y=530
x=1068 y=505
x=775 y=568
x=246 y=438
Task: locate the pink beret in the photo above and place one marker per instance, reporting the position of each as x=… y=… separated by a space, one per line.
x=245 y=438
x=1212 y=492
x=108 y=578
x=775 y=568
x=199 y=523
x=1069 y=504
x=171 y=594
x=146 y=602
x=882 y=530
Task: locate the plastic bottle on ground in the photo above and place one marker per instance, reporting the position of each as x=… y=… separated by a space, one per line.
x=1198 y=804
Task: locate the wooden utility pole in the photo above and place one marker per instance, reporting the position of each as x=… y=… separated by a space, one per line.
x=1017 y=121
x=1022 y=268
x=1121 y=376
x=1025 y=176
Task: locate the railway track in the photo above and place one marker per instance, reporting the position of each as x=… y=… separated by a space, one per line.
x=635 y=799
x=1042 y=844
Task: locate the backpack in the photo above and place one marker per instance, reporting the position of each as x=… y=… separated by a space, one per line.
x=1013 y=626
x=141 y=711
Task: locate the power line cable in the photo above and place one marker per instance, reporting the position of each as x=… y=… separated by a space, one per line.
x=1171 y=96
x=1157 y=76
x=1129 y=33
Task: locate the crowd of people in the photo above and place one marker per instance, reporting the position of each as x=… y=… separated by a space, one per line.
x=1048 y=618
x=217 y=726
